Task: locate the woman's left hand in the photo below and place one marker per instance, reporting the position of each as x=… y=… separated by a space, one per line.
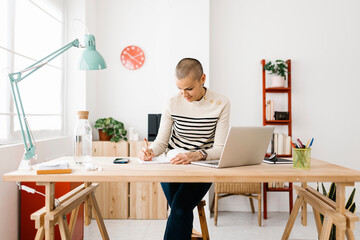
x=186 y=158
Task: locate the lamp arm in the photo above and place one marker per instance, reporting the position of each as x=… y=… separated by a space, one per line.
x=15 y=78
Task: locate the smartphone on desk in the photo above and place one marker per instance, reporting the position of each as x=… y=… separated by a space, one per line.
x=122 y=160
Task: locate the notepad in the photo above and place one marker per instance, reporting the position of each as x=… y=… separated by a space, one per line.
x=278 y=161
x=164 y=158
x=52 y=165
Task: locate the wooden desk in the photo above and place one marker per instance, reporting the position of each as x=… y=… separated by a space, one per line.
x=133 y=172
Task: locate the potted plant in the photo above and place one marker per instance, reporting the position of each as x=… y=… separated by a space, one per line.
x=110 y=129
x=278 y=71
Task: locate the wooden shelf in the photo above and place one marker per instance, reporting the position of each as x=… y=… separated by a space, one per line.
x=277 y=122
x=277 y=90
x=284 y=189
x=288 y=123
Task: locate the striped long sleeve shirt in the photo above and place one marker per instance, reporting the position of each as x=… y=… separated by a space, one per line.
x=196 y=125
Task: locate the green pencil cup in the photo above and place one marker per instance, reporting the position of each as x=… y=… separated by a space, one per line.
x=302 y=158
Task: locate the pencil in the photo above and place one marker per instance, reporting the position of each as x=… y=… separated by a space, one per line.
x=147 y=148
x=146 y=143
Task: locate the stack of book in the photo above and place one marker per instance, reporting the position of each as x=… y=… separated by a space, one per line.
x=280 y=143
x=53 y=168
x=276 y=185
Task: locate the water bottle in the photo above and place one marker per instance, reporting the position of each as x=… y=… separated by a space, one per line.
x=83 y=139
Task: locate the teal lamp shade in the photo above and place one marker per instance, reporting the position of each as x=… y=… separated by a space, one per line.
x=90 y=58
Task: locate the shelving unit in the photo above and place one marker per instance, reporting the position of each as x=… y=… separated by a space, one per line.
x=288 y=123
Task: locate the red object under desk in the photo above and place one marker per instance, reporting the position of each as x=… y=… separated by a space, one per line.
x=33 y=202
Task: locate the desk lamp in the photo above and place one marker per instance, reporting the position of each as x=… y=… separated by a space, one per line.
x=90 y=60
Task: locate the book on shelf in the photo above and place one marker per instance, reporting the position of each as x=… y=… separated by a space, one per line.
x=281 y=144
x=276 y=185
x=270 y=110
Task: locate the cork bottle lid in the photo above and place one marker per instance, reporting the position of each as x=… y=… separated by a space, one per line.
x=83 y=114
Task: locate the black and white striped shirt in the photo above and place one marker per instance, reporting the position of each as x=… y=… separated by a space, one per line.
x=191 y=133
x=196 y=125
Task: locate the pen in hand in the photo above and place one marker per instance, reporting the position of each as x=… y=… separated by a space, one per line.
x=148 y=155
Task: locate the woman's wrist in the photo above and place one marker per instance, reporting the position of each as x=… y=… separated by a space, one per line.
x=201 y=155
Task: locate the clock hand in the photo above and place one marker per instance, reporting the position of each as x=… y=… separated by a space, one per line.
x=137 y=55
x=133 y=58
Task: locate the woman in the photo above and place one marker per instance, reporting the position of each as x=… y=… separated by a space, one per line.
x=196 y=120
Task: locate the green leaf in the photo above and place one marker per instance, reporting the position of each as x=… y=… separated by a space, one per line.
x=110 y=131
x=323 y=189
x=115 y=139
x=352 y=208
x=351 y=199
x=332 y=192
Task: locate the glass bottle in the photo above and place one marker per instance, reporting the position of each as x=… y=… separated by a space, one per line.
x=83 y=139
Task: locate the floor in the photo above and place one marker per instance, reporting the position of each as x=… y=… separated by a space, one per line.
x=231 y=225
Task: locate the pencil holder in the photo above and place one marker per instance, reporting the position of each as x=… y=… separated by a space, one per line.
x=302 y=158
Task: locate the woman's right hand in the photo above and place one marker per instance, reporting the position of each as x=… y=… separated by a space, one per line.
x=146 y=154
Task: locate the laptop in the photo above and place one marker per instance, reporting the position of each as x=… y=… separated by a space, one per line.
x=243 y=146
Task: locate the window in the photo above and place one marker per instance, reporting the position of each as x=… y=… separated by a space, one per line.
x=29 y=31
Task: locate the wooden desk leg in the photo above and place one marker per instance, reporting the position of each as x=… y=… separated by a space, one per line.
x=72 y=222
x=349 y=234
x=87 y=208
x=340 y=207
x=317 y=221
x=98 y=217
x=304 y=208
x=40 y=233
x=299 y=201
x=49 y=206
x=63 y=227
x=326 y=229
x=265 y=188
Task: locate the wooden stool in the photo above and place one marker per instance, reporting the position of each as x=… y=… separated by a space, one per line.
x=204 y=235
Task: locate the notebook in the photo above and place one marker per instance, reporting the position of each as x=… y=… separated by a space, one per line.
x=243 y=146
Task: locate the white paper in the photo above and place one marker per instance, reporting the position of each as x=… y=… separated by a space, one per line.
x=164 y=158
x=49 y=166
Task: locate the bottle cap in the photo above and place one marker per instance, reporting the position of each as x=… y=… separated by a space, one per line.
x=83 y=114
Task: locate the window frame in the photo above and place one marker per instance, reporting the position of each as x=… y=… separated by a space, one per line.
x=15 y=136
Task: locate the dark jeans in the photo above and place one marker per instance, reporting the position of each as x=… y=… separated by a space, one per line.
x=182 y=198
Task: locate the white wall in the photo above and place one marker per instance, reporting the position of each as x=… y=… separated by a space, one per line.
x=75 y=81
x=322 y=38
x=167 y=31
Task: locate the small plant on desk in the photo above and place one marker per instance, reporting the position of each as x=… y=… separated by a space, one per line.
x=111 y=128
x=350 y=204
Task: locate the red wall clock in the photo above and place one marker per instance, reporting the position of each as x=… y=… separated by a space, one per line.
x=132 y=57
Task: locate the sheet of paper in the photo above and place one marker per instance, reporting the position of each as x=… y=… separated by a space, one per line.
x=164 y=158
x=52 y=165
